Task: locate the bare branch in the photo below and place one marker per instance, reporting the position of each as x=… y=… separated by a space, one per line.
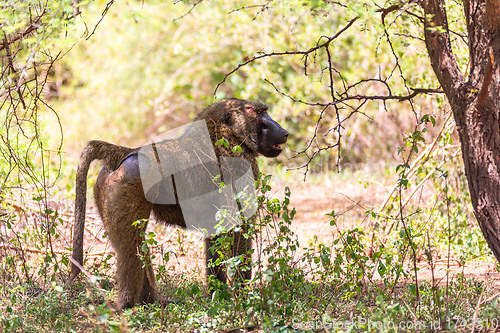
x=262 y=7
x=189 y=11
x=339 y=107
x=105 y=11
x=275 y=54
x=415 y=92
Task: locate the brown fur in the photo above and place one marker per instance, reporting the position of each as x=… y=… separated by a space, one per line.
x=120 y=199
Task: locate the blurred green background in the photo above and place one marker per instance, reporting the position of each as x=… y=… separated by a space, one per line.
x=152 y=66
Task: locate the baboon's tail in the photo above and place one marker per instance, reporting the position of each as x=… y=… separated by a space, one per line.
x=112 y=155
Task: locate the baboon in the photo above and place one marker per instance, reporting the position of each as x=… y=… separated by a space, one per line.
x=120 y=198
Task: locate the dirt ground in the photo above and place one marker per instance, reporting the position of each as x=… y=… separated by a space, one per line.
x=350 y=199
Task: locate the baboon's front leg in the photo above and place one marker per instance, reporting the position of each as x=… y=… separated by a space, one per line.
x=211 y=256
x=240 y=246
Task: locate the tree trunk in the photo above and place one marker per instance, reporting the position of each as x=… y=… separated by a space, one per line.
x=475 y=102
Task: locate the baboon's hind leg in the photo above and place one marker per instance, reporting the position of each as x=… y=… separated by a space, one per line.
x=135 y=276
x=121 y=204
x=149 y=293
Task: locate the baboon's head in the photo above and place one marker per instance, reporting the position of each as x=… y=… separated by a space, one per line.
x=248 y=124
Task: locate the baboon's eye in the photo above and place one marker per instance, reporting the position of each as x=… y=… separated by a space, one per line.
x=249 y=109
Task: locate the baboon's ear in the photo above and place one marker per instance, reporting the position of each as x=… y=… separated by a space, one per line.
x=227 y=118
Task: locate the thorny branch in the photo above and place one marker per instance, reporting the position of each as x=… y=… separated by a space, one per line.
x=277 y=54
x=263 y=8
x=24 y=81
x=340 y=103
x=22 y=97
x=190 y=10
x=105 y=11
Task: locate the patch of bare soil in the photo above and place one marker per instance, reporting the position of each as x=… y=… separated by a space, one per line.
x=349 y=199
